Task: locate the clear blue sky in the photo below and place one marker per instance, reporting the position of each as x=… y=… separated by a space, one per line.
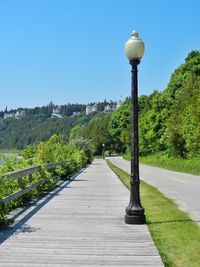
x=73 y=50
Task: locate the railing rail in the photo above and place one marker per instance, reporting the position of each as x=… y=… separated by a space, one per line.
x=26 y=172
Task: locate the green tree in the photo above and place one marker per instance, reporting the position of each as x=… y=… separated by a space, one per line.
x=119 y=127
x=97 y=132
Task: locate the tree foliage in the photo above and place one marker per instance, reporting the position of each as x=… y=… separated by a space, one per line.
x=119 y=127
x=96 y=132
x=169 y=121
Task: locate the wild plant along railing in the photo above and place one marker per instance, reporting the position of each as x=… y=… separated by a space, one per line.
x=27 y=172
x=18 y=187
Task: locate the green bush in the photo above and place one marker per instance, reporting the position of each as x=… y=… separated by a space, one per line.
x=53 y=150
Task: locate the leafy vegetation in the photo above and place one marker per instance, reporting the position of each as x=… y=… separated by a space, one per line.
x=169 y=121
x=53 y=150
x=96 y=131
x=176 y=236
x=119 y=127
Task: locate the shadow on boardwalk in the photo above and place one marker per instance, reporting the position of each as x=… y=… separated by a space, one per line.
x=29 y=210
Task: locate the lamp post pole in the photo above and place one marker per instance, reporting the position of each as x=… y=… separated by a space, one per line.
x=103 y=151
x=134 y=212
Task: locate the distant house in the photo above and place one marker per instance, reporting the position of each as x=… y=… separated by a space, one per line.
x=113 y=106
x=91 y=108
x=56 y=113
x=20 y=113
x=109 y=108
x=76 y=113
x=9 y=115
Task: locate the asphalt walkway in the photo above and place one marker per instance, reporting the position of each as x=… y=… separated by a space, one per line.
x=81 y=223
x=183 y=188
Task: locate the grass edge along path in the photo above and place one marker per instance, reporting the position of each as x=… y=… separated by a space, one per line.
x=161 y=160
x=176 y=236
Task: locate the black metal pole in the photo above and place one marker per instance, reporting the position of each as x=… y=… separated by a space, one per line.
x=103 y=152
x=134 y=211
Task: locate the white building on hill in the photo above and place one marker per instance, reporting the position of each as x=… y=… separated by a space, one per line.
x=20 y=113
x=76 y=113
x=9 y=115
x=56 y=113
x=90 y=108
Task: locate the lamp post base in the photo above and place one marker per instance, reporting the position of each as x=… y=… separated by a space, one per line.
x=134 y=219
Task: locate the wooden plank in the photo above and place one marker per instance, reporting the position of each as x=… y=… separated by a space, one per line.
x=28 y=171
x=20 y=193
x=21 y=173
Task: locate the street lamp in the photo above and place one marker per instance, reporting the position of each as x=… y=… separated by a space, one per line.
x=134 y=49
x=103 y=151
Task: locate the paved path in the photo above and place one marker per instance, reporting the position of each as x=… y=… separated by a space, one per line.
x=181 y=187
x=79 y=224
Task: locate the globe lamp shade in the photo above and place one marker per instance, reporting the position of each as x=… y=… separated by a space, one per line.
x=134 y=47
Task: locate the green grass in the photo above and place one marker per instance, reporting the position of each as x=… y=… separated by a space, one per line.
x=176 y=236
x=175 y=164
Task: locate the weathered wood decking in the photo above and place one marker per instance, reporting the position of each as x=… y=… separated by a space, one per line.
x=81 y=223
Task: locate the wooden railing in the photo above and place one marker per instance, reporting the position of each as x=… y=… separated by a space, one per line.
x=19 y=175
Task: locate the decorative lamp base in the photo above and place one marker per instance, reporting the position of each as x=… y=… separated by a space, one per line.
x=135 y=219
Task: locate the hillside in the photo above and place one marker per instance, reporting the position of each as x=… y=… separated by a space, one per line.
x=22 y=127
x=169 y=121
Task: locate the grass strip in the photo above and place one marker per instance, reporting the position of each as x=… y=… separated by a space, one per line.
x=175 y=164
x=191 y=165
x=176 y=236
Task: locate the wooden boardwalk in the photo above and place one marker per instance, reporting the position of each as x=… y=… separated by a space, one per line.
x=81 y=223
